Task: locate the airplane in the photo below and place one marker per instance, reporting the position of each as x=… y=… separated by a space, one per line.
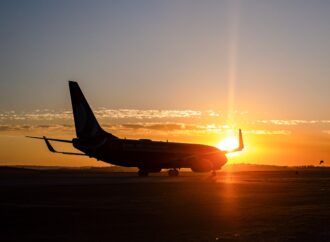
x=147 y=155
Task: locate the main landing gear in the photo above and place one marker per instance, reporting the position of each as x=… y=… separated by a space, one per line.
x=173 y=172
x=145 y=173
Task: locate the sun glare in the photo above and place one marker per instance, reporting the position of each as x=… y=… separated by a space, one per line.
x=228 y=143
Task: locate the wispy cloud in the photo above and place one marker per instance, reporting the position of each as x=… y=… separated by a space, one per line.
x=268 y=132
x=36 y=115
x=150 y=121
x=137 y=128
x=291 y=122
x=174 y=127
x=146 y=114
x=33 y=128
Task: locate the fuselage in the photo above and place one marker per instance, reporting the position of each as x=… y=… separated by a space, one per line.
x=152 y=155
x=147 y=155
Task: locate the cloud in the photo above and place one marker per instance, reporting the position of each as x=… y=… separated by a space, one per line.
x=135 y=121
x=146 y=114
x=178 y=128
x=25 y=127
x=155 y=126
x=4 y=127
x=103 y=113
x=292 y=122
x=36 y=115
x=268 y=132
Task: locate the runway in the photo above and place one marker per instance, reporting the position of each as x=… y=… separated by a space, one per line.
x=83 y=205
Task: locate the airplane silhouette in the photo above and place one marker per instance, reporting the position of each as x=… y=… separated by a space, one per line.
x=149 y=156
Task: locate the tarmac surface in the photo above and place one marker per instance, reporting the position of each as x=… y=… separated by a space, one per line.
x=82 y=205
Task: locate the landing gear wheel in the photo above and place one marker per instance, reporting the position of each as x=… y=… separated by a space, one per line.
x=142 y=173
x=173 y=172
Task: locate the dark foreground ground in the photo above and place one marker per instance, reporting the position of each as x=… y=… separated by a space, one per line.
x=71 y=205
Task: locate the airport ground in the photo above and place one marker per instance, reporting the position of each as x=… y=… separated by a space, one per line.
x=98 y=205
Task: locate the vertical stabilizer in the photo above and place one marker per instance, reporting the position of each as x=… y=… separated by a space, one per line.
x=85 y=122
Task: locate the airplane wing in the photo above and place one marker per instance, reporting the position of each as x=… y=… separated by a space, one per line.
x=50 y=147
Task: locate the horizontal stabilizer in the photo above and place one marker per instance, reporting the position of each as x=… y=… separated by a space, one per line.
x=50 y=147
x=51 y=139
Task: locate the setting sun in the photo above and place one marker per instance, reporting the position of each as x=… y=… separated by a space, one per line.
x=228 y=143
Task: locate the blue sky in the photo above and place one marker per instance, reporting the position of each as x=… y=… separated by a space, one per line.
x=167 y=54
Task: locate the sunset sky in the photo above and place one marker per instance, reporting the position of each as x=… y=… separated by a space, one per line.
x=185 y=71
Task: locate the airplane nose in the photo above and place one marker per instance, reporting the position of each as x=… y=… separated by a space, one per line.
x=220 y=161
x=224 y=160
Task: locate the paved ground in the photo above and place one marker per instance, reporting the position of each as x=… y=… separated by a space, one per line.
x=71 y=205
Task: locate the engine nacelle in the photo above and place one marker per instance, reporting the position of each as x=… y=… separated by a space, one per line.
x=202 y=166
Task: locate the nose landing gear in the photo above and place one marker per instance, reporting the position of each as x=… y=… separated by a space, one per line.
x=173 y=172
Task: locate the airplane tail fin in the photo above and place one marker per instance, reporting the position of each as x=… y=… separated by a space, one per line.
x=85 y=122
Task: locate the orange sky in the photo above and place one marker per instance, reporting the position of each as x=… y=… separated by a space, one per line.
x=275 y=142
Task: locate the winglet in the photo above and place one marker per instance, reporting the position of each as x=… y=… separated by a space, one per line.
x=49 y=146
x=240 y=144
x=240 y=138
